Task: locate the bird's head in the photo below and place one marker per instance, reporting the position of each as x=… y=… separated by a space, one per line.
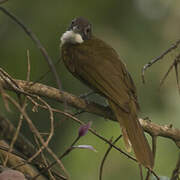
x=79 y=31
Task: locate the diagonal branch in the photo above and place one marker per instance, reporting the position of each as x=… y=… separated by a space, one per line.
x=36 y=41
x=149 y=64
x=3 y=1
x=176 y=171
x=91 y=107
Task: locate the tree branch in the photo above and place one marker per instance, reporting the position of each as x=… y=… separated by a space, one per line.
x=91 y=107
x=176 y=171
x=36 y=41
x=22 y=145
x=3 y=1
x=15 y=159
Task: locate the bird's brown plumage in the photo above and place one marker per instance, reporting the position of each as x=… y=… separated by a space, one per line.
x=98 y=65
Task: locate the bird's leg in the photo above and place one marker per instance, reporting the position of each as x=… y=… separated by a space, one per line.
x=85 y=95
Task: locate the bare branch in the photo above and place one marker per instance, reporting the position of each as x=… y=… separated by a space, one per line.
x=177 y=61
x=176 y=172
x=36 y=132
x=37 y=43
x=51 y=131
x=22 y=145
x=140 y=171
x=154 y=145
x=16 y=159
x=105 y=156
x=15 y=134
x=163 y=131
x=174 y=46
x=166 y=74
x=174 y=64
x=92 y=131
x=3 y=1
x=91 y=107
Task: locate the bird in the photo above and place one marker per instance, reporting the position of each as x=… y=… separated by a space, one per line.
x=98 y=65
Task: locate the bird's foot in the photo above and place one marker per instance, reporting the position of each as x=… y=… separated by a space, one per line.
x=85 y=95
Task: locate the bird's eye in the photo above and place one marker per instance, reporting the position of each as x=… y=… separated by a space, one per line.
x=72 y=23
x=87 y=30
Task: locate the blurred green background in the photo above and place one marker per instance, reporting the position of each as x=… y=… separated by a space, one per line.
x=139 y=30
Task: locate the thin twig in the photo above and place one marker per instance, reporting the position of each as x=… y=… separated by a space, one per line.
x=20 y=117
x=6 y=149
x=175 y=65
x=10 y=81
x=154 y=144
x=15 y=86
x=50 y=134
x=176 y=171
x=166 y=74
x=52 y=93
x=44 y=159
x=37 y=43
x=22 y=145
x=67 y=151
x=105 y=157
x=3 y=1
x=91 y=130
x=156 y=176
x=99 y=136
x=177 y=61
x=46 y=73
x=140 y=171
x=148 y=174
x=51 y=130
x=174 y=46
x=35 y=131
x=5 y=102
x=15 y=135
x=28 y=66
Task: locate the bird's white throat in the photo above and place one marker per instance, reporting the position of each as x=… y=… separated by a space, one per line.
x=71 y=37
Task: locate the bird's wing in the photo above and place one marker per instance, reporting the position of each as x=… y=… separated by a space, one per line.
x=108 y=74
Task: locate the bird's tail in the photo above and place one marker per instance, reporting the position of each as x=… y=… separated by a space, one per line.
x=133 y=132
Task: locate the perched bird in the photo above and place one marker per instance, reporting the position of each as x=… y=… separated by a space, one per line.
x=97 y=64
